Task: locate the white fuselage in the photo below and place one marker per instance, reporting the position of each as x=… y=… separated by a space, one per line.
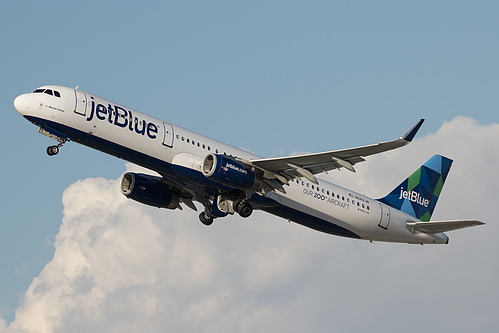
x=166 y=149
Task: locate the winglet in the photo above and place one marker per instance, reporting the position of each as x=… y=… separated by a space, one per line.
x=412 y=132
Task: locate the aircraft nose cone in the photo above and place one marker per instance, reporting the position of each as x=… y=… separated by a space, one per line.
x=20 y=104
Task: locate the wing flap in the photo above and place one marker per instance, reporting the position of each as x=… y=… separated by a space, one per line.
x=434 y=227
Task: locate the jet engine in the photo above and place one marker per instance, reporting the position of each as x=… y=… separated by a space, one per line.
x=148 y=190
x=225 y=170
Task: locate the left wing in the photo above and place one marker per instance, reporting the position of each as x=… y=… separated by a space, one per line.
x=279 y=171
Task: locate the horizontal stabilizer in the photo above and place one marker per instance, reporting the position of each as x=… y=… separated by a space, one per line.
x=434 y=227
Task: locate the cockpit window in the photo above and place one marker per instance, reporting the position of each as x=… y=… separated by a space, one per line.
x=48 y=92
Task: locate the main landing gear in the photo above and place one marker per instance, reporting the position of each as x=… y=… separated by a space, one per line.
x=222 y=207
x=244 y=208
x=206 y=218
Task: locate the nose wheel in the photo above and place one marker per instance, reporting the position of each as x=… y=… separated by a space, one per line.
x=54 y=150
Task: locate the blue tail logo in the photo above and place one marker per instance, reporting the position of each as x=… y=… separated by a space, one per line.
x=418 y=194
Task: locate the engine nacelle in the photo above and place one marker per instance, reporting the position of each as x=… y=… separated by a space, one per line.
x=225 y=170
x=148 y=190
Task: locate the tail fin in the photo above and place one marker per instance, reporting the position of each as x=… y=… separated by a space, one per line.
x=418 y=194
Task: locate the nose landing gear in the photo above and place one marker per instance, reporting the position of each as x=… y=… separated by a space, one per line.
x=56 y=135
x=54 y=150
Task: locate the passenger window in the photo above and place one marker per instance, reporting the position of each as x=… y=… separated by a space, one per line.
x=56 y=93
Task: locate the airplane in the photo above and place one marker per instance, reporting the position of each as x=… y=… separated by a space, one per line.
x=226 y=180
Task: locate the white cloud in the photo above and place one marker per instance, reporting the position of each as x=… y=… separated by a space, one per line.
x=123 y=267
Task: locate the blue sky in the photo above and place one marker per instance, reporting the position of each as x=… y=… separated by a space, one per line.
x=273 y=77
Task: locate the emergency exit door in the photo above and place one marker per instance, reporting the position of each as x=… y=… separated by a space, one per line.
x=385 y=216
x=81 y=102
x=168 y=137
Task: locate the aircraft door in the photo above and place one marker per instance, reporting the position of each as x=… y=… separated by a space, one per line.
x=385 y=217
x=81 y=102
x=168 y=135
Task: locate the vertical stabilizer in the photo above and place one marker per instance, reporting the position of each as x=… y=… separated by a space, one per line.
x=418 y=194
